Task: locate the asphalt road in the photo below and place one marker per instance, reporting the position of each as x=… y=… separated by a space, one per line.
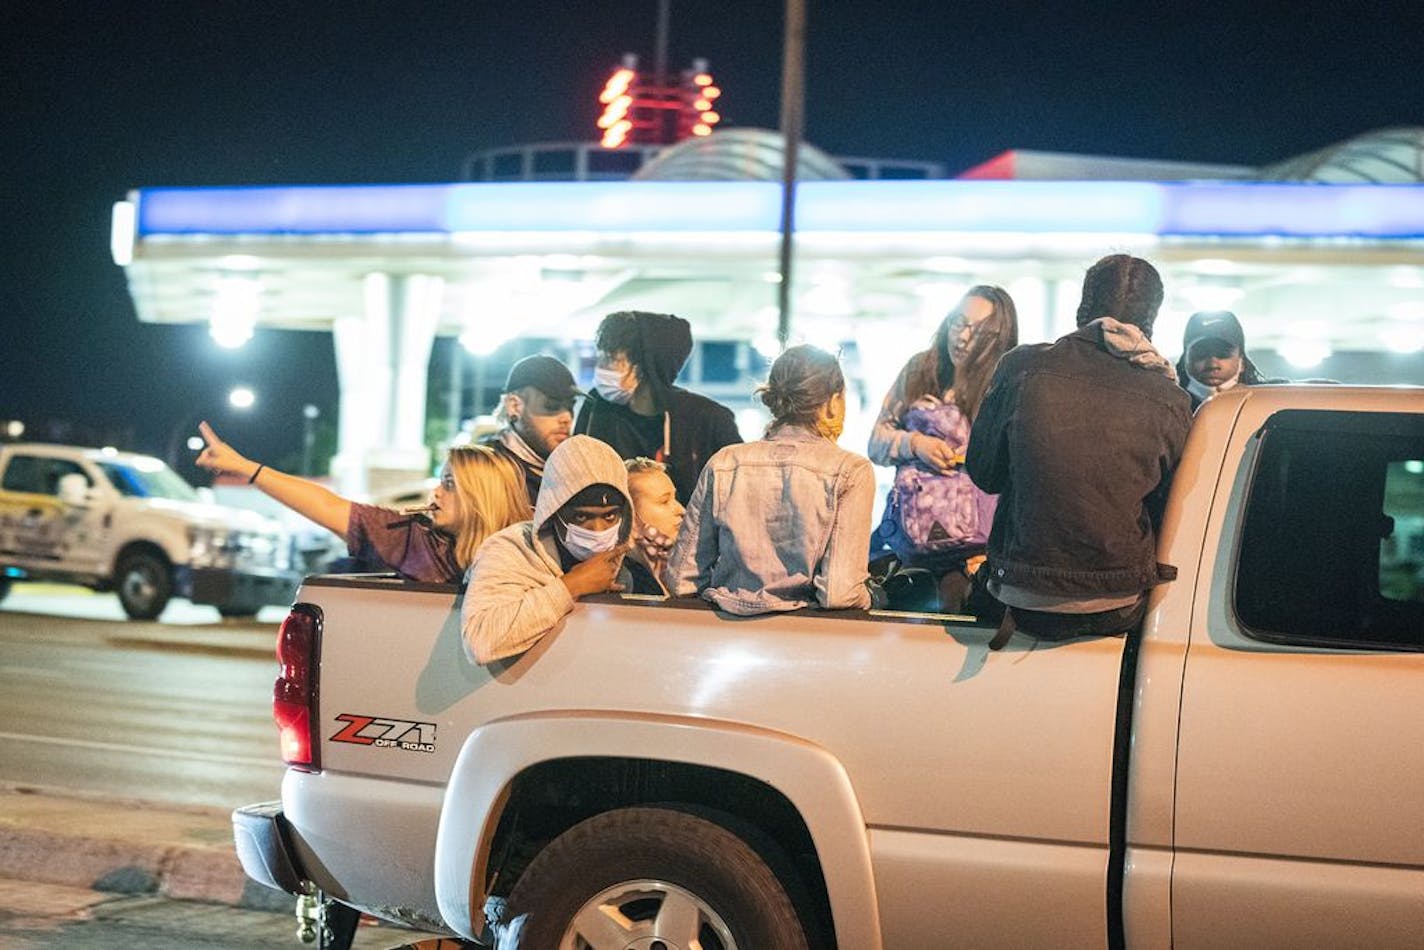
x=174 y=711
x=177 y=710
x=44 y=916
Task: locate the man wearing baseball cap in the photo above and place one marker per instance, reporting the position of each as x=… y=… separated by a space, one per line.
x=536 y=413
x=1214 y=356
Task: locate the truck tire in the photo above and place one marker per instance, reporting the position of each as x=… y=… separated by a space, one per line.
x=144 y=584
x=4 y=587
x=651 y=877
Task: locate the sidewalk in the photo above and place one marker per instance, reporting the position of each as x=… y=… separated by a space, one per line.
x=186 y=853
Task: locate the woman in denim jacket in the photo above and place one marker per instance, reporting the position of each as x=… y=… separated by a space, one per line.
x=783 y=522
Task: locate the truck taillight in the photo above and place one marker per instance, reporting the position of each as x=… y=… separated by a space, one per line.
x=294 y=694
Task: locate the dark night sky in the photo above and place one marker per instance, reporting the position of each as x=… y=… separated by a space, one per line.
x=99 y=98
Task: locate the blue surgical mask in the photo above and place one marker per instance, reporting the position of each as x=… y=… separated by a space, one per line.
x=614 y=386
x=584 y=544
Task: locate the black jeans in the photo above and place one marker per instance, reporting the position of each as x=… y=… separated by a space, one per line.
x=1053 y=626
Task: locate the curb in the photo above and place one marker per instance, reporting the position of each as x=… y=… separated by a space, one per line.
x=129 y=847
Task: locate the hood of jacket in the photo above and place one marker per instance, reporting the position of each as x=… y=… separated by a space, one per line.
x=576 y=463
x=666 y=343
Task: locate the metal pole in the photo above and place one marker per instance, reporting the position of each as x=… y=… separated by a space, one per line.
x=667 y=122
x=660 y=44
x=793 y=96
x=479 y=384
x=456 y=402
x=309 y=414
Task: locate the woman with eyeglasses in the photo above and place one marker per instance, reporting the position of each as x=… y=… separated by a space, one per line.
x=480 y=492
x=935 y=517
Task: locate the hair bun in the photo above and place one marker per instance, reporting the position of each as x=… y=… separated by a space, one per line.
x=775 y=399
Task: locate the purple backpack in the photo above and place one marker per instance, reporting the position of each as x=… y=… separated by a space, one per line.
x=931 y=513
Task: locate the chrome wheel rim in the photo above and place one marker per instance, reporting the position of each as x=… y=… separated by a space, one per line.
x=139 y=586
x=646 y=915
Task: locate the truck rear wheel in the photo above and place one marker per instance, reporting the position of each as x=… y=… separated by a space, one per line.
x=4 y=587
x=144 y=584
x=650 y=877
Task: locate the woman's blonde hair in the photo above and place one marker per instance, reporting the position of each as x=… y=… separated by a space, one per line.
x=493 y=496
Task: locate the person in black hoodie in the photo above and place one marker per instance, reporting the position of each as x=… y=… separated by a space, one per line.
x=635 y=407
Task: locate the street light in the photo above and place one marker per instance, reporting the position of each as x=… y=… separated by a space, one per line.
x=309 y=417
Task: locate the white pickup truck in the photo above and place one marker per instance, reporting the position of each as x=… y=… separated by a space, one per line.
x=128 y=523
x=1247 y=770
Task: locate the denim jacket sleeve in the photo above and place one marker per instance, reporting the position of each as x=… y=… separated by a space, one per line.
x=688 y=568
x=987 y=458
x=841 y=577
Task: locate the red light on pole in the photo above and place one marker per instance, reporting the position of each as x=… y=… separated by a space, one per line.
x=697 y=95
x=616 y=110
x=617 y=99
x=617 y=134
x=617 y=85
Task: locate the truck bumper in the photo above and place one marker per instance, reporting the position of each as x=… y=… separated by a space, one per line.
x=224 y=587
x=265 y=848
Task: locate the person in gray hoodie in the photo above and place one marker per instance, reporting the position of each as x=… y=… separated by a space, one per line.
x=526 y=578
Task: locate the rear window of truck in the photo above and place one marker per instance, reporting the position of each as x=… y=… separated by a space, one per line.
x=1332 y=544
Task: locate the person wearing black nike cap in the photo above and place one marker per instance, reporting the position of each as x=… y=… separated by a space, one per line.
x=1214 y=356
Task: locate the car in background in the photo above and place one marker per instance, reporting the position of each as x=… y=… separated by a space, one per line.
x=125 y=522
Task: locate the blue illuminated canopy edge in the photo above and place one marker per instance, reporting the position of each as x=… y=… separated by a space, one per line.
x=1165 y=209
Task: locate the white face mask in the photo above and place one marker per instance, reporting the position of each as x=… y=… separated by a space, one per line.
x=614 y=386
x=584 y=544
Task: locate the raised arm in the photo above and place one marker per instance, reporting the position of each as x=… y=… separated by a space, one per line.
x=306 y=498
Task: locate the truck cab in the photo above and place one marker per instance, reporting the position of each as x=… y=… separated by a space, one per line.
x=120 y=521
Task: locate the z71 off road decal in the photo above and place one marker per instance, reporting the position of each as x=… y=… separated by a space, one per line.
x=386 y=733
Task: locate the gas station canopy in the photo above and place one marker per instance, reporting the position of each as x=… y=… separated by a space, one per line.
x=1312 y=269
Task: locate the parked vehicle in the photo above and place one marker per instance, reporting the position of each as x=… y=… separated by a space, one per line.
x=1246 y=770
x=118 y=521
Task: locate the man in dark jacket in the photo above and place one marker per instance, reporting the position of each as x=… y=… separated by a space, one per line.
x=635 y=407
x=537 y=412
x=1080 y=438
